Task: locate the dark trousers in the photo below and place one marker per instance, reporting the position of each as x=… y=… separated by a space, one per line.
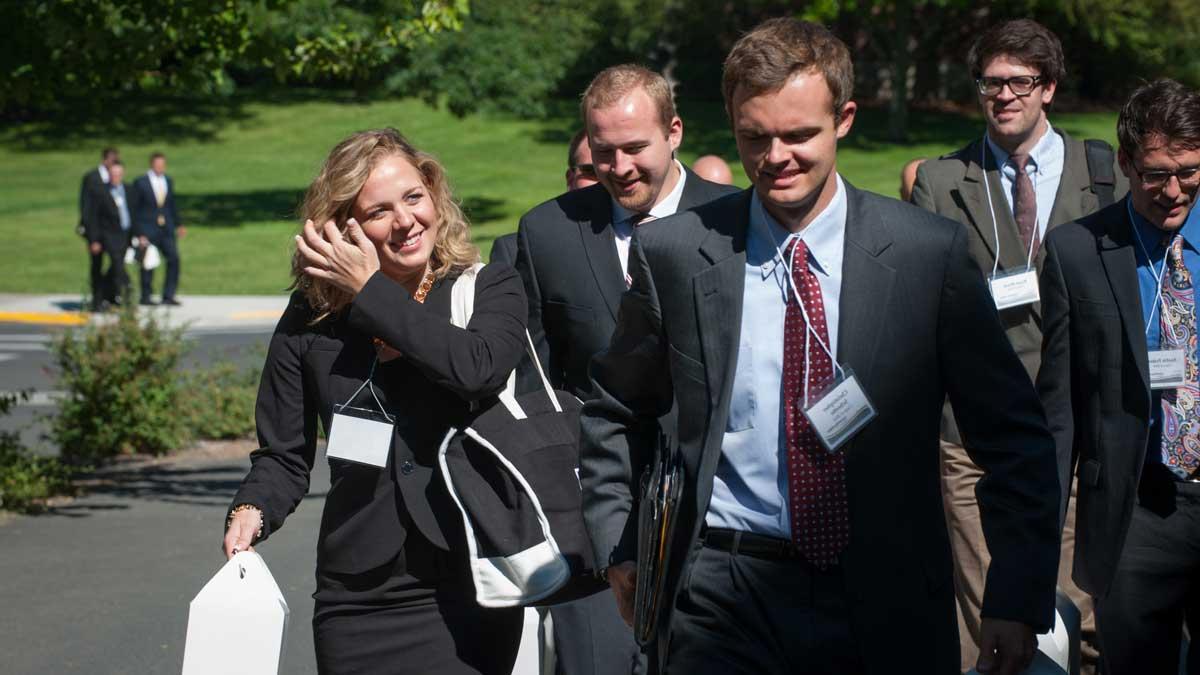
x=165 y=242
x=1157 y=584
x=591 y=638
x=736 y=613
x=96 y=276
x=110 y=283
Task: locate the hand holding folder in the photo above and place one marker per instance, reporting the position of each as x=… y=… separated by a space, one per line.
x=662 y=485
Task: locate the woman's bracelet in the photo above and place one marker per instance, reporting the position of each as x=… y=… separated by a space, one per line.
x=246 y=507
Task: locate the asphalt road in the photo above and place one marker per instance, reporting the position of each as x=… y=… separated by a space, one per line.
x=101 y=585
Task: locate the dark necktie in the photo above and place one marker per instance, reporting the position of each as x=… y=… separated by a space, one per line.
x=1025 y=205
x=1177 y=330
x=635 y=220
x=816 y=477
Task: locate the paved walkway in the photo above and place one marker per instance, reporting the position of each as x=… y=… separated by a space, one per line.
x=197 y=313
x=102 y=584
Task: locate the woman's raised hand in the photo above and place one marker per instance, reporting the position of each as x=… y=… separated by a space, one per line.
x=345 y=261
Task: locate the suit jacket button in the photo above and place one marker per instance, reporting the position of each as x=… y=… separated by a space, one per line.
x=406 y=468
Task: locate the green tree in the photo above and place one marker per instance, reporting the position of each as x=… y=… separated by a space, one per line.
x=62 y=53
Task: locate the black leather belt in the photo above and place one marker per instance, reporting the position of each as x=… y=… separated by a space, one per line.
x=748 y=543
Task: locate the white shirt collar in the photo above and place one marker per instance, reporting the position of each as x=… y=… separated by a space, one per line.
x=103 y=172
x=666 y=207
x=1038 y=154
x=825 y=236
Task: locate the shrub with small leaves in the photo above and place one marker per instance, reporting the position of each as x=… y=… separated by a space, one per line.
x=26 y=481
x=121 y=388
x=218 y=402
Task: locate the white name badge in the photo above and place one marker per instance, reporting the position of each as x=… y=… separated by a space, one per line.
x=840 y=412
x=359 y=435
x=1014 y=289
x=1168 y=368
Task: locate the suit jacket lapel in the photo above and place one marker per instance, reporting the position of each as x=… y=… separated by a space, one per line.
x=867 y=283
x=718 y=294
x=600 y=246
x=981 y=213
x=1120 y=266
x=694 y=193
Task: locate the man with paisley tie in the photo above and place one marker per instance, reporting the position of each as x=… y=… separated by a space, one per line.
x=157 y=222
x=1119 y=381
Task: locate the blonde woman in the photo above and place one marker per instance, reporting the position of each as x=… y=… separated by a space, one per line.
x=383 y=242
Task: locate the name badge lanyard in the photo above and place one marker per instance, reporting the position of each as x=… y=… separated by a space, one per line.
x=809 y=331
x=987 y=189
x=367 y=384
x=1158 y=275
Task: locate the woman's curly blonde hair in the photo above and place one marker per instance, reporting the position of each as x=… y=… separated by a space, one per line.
x=331 y=197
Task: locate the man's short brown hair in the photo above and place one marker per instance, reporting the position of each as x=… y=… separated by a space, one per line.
x=576 y=141
x=1162 y=111
x=764 y=59
x=615 y=82
x=1023 y=40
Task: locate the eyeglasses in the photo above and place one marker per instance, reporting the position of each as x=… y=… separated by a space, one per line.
x=586 y=170
x=1157 y=180
x=1021 y=85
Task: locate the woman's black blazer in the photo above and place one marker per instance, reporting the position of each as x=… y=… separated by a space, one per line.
x=310 y=368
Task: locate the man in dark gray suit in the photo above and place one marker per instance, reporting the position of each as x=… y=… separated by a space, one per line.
x=1119 y=380
x=156 y=222
x=93 y=185
x=580 y=174
x=572 y=253
x=1017 y=67
x=810 y=536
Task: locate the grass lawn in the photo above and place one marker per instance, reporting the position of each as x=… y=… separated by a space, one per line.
x=241 y=165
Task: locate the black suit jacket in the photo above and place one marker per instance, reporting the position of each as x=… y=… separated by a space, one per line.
x=1095 y=381
x=91 y=185
x=103 y=222
x=916 y=323
x=146 y=211
x=310 y=368
x=504 y=250
x=567 y=257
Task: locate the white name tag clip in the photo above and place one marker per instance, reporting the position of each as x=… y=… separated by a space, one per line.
x=360 y=435
x=1015 y=288
x=1168 y=368
x=840 y=411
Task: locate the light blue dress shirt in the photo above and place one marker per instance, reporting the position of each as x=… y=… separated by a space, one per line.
x=118 y=195
x=1045 y=169
x=750 y=488
x=1150 y=247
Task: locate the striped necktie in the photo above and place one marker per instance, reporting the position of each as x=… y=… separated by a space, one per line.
x=634 y=221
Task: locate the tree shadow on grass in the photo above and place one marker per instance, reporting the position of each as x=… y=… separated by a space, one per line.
x=235 y=209
x=146 y=119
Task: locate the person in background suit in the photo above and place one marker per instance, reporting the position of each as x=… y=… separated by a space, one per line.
x=110 y=229
x=1017 y=66
x=1118 y=294
x=908 y=177
x=572 y=253
x=580 y=174
x=788 y=556
x=95 y=182
x=156 y=222
x=383 y=243
x=713 y=169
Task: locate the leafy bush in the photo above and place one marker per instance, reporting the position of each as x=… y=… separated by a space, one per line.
x=218 y=402
x=121 y=389
x=26 y=482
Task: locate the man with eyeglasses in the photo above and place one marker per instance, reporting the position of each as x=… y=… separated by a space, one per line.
x=580 y=174
x=1021 y=179
x=1119 y=385
x=1009 y=187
